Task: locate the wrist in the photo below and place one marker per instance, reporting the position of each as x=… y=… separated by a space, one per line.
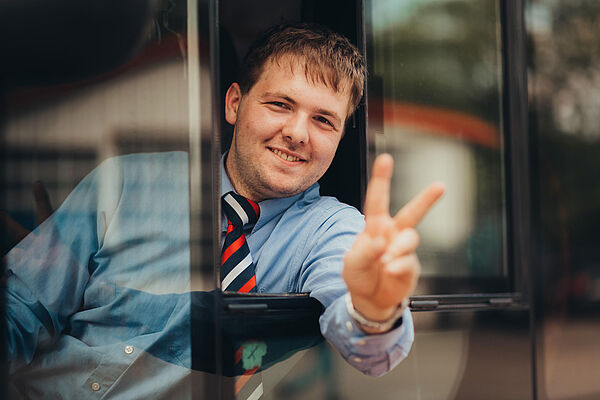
x=380 y=325
x=371 y=312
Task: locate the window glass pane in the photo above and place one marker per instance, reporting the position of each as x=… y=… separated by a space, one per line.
x=435 y=104
x=98 y=109
x=564 y=82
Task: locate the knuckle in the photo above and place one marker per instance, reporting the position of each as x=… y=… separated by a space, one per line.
x=413 y=236
x=408 y=239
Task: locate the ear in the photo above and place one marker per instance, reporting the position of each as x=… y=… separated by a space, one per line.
x=232 y=103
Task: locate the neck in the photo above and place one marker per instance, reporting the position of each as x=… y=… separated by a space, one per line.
x=237 y=182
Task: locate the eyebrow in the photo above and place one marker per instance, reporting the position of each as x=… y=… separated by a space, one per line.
x=292 y=101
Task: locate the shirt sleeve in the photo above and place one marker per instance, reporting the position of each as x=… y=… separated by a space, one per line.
x=321 y=275
x=48 y=271
x=372 y=354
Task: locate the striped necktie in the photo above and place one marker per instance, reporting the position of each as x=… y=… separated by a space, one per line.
x=237 y=268
x=238 y=275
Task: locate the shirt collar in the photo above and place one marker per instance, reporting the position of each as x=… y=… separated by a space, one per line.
x=269 y=208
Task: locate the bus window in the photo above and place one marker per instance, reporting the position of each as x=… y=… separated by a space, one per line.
x=436 y=104
x=565 y=87
x=108 y=108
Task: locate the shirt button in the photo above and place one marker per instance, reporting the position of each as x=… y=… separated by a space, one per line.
x=95 y=386
x=361 y=342
x=357 y=359
x=349 y=326
x=128 y=349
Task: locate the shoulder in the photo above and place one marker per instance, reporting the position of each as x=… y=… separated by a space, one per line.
x=312 y=200
x=137 y=180
x=143 y=161
x=325 y=212
x=144 y=168
x=332 y=207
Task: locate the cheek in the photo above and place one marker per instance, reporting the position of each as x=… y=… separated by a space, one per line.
x=249 y=130
x=260 y=125
x=327 y=147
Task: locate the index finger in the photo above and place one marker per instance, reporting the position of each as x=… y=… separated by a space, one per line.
x=412 y=213
x=377 y=200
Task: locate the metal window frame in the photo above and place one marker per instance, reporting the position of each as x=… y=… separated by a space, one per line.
x=516 y=169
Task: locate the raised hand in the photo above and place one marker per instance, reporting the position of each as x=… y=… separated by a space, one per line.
x=381 y=269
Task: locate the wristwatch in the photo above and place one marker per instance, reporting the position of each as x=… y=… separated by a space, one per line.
x=376 y=326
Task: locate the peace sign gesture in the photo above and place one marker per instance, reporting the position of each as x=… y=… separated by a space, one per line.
x=381 y=269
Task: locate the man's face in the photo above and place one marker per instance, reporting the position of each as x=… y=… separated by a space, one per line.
x=287 y=130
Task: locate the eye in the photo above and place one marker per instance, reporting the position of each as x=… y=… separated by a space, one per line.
x=278 y=104
x=324 y=120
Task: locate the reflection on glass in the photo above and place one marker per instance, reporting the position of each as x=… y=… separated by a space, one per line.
x=436 y=105
x=104 y=298
x=98 y=300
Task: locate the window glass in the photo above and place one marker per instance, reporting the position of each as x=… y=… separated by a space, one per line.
x=105 y=118
x=439 y=126
x=564 y=83
x=435 y=104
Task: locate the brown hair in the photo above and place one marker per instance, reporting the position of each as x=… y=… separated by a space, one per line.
x=328 y=57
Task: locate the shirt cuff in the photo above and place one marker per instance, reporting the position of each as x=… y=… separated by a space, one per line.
x=372 y=354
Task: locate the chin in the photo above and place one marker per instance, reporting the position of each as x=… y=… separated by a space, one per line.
x=279 y=192
x=285 y=193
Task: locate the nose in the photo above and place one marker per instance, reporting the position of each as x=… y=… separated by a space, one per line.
x=295 y=129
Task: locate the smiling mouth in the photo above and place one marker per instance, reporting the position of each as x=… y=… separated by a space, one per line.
x=285 y=156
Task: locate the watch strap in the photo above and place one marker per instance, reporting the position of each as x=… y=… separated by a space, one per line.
x=376 y=326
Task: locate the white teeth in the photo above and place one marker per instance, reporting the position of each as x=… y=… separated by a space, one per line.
x=286 y=157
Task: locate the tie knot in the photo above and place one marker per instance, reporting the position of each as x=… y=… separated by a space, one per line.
x=239 y=210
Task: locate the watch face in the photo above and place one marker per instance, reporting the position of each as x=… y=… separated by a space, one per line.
x=252 y=354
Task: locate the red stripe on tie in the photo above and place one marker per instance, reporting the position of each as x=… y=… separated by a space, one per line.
x=229 y=228
x=238 y=354
x=233 y=247
x=255 y=206
x=239 y=384
x=248 y=286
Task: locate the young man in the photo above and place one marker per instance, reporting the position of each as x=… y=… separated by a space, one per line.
x=301 y=85
x=97 y=289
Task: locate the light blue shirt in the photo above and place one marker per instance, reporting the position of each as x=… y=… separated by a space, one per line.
x=97 y=302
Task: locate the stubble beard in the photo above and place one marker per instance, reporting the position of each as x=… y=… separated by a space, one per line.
x=249 y=177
